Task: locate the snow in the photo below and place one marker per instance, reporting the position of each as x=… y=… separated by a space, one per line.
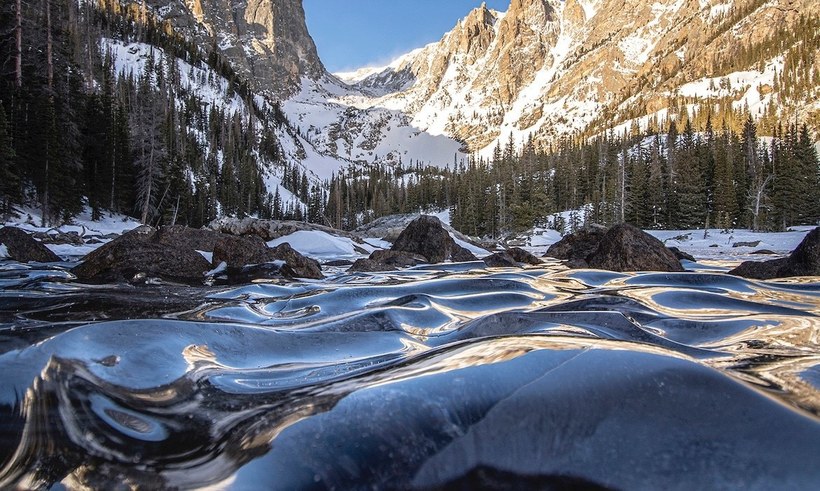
x=4 y=252
x=745 y=84
x=718 y=244
x=209 y=256
x=364 y=132
x=29 y=219
x=323 y=246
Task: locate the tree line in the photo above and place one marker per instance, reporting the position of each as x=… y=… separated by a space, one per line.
x=75 y=132
x=676 y=178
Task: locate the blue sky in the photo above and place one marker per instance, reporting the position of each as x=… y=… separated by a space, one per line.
x=355 y=33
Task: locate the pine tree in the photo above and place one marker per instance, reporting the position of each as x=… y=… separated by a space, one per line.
x=9 y=180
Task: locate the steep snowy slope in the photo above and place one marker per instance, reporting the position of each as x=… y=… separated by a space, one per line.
x=552 y=68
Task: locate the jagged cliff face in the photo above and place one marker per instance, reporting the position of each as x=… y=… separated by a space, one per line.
x=266 y=41
x=550 y=67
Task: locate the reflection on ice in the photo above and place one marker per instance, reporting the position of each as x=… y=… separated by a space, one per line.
x=413 y=379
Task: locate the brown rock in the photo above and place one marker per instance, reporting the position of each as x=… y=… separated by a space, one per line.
x=577 y=246
x=239 y=252
x=627 y=248
x=22 y=247
x=803 y=261
x=198 y=239
x=387 y=260
x=135 y=254
x=296 y=265
x=427 y=237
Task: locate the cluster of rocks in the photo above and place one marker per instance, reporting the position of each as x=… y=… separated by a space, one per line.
x=178 y=253
x=619 y=248
x=424 y=240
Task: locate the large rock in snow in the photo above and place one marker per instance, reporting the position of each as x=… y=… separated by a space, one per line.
x=628 y=248
x=803 y=261
x=387 y=260
x=511 y=257
x=198 y=239
x=576 y=247
x=238 y=252
x=20 y=246
x=427 y=237
x=137 y=255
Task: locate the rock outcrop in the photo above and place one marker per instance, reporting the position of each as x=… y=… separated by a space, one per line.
x=424 y=240
x=620 y=248
x=576 y=247
x=171 y=254
x=20 y=246
x=427 y=237
x=512 y=257
x=803 y=261
x=387 y=260
x=627 y=248
x=136 y=255
x=265 y=41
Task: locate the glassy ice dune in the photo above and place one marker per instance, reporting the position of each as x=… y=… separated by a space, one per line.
x=428 y=378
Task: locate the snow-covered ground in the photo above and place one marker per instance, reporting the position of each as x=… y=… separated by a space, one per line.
x=30 y=220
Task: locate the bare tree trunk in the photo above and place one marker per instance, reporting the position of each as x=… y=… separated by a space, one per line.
x=49 y=49
x=18 y=61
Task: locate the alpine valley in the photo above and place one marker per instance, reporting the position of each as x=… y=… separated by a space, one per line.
x=183 y=111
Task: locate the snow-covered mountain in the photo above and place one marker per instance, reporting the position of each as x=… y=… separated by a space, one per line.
x=543 y=68
x=550 y=68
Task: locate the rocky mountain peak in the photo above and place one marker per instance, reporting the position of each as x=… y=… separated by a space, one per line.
x=266 y=41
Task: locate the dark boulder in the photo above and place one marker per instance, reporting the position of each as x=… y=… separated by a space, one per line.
x=746 y=244
x=427 y=237
x=627 y=248
x=135 y=255
x=387 y=260
x=681 y=255
x=24 y=248
x=296 y=265
x=501 y=260
x=760 y=270
x=763 y=252
x=238 y=252
x=198 y=239
x=803 y=261
x=577 y=246
x=462 y=255
x=522 y=256
x=512 y=257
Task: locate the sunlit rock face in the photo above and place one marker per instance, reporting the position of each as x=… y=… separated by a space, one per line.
x=265 y=41
x=550 y=68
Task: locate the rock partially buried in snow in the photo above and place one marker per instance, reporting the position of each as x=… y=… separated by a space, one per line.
x=628 y=248
x=620 y=248
x=681 y=255
x=387 y=260
x=20 y=246
x=579 y=245
x=239 y=252
x=512 y=257
x=803 y=261
x=427 y=237
x=136 y=255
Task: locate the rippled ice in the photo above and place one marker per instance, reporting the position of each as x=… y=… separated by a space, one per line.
x=450 y=376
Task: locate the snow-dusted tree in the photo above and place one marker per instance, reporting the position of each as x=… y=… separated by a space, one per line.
x=149 y=149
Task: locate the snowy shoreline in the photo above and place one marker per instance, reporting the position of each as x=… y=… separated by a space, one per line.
x=713 y=244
